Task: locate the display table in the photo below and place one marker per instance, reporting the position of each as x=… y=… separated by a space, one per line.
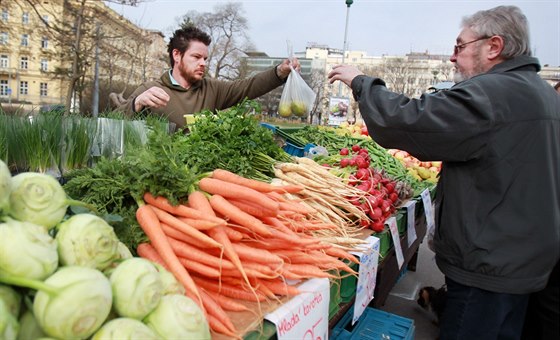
x=388 y=271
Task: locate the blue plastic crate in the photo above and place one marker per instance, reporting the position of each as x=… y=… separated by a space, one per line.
x=308 y=147
x=294 y=150
x=374 y=324
x=269 y=126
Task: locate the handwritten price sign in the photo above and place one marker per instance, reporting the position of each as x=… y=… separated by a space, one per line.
x=428 y=211
x=411 y=221
x=367 y=276
x=392 y=222
x=306 y=316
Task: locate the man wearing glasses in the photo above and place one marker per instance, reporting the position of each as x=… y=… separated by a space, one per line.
x=497 y=131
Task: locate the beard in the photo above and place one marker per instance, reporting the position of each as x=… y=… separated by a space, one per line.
x=189 y=75
x=462 y=75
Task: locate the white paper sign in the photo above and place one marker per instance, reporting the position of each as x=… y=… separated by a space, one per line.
x=392 y=222
x=411 y=221
x=428 y=211
x=367 y=276
x=306 y=316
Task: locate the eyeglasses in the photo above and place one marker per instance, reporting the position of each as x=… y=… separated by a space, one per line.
x=459 y=48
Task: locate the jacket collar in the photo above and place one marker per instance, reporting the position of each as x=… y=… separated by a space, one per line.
x=167 y=81
x=515 y=63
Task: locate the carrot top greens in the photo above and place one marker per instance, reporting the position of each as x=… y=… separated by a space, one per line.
x=170 y=165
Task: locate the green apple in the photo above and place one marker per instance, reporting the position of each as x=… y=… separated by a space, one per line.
x=284 y=110
x=299 y=108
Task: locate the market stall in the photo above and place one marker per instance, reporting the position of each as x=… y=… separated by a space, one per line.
x=240 y=226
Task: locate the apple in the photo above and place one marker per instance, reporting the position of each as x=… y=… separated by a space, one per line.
x=400 y=154
x=284 y=110
x=298 y=108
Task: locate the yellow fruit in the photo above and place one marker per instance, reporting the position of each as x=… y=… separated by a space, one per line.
x=414 y=173
x=400 y=154
x=298 y=108
x=434 y=169
x=284 y=110
x=423 y=172
x=433 y=178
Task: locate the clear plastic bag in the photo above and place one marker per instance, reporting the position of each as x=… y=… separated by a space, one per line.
x=297 y=97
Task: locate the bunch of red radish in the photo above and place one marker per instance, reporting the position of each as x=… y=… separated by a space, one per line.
x=380 y=197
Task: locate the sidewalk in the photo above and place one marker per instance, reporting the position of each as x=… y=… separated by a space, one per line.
x=402 y=299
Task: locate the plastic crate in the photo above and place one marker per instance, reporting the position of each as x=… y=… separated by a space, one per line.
x=401 y=218
x=294 y=150
x=348 y=284
x=286 y=133
x=385 y=242
x=419 y=210
x=374 y=324
x=335 y=299
x=292 y=129
x=269 y=126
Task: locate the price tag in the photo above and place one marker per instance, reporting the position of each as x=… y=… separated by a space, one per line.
x=411 y=221
x=367 y=276
x=392 y=222
x=428 y=211
x=306 y=316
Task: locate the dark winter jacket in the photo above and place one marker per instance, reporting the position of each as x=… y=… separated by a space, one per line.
x=498 y=197
x=207 y=94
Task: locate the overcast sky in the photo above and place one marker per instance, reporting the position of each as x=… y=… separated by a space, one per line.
x=393 y=27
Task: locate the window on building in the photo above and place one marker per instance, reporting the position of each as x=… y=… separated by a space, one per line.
x=25 y=40
x=24 y=63
x=4 y=61
x=4 y=87
x=25 y=18
x=45 y=42
x=23 y=87
x=3 y=38
x=44 y=65
x=5 y=15
x=43 y=89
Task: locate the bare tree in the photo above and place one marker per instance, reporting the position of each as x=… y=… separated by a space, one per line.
x=227 y=27
x=128 y=58
x=445 y=71
x=317 y=82
x=400 y=76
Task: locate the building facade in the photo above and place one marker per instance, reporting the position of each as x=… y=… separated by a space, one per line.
x=42 y=51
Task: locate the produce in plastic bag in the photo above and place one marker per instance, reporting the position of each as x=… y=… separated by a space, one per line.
x=297 y=97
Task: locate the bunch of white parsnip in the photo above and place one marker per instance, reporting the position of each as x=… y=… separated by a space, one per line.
x=69 y=277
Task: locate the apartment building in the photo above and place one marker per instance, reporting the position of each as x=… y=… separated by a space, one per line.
x=551 y=74
x=27 y=54
x=38 y=45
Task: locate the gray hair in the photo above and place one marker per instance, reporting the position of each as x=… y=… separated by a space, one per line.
x=506 y=21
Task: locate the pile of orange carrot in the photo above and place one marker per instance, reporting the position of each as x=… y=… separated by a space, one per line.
x=235 y=240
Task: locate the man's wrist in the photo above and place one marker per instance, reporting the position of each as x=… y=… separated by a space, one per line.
x=134 y=109
x=277 y=71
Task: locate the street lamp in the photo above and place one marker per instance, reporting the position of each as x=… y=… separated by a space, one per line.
x=348 y=3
